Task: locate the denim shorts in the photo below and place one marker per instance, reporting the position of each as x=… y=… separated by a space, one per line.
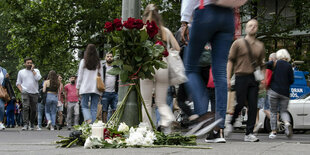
x=109 y=99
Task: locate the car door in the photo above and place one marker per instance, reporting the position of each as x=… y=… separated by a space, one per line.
x=307 y=113
x=296 y=108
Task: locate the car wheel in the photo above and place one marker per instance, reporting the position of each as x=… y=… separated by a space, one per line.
x=281 y=125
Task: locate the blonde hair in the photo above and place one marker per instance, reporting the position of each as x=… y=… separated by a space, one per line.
x=151 y=14
x=283 y=54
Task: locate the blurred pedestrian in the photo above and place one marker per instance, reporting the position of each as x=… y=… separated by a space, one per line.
x=279 y=92
x=161 y=78
x=27 y=83
x=3 y=75
x=72 y=102
x=213 y=24
x=245 y=55
x=41 y=104
x=110 y=96
x=89 y=68
x=60 y=105
x=51 y=87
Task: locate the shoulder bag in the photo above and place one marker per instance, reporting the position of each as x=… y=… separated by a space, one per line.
x=258 y=74
x=4 y=94
x=176 y=67
x=100 y=84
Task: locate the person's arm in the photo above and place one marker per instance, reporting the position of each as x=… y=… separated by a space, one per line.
x=291 y=75
x=66 y=95
x=44 y=86
x=187 y=9
x=19 y=82
x=80 y=75
x=231 y=60
x=36 y=73
x=172 y=40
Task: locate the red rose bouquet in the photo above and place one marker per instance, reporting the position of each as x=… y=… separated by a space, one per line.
x=137 y=55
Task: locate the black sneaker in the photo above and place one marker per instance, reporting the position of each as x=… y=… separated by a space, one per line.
x=216 y=137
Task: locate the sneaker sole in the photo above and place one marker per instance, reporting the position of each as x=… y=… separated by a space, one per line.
x=217 y=140
x=197 y=127
x=208 y=128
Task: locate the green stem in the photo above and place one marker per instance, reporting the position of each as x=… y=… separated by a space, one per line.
x=147 y=113
x=120 y=109
x=177 y=146
x=70 y=144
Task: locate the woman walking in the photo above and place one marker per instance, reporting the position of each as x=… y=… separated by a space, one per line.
x=3 y=76
x=51 y=86
x=279 y=92
x=86 y=85
x=160 y=82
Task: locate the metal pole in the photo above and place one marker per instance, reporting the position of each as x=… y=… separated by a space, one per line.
x=131 y=8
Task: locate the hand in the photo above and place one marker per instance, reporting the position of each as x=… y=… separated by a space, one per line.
x=32 y=67
x=7 y=75
x=185 y=33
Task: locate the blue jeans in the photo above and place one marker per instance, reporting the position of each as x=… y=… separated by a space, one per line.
x=109 y=99
x=212 y=24
x=90 y=113
x=40 y=113
x=51 y=107
x=1 y=110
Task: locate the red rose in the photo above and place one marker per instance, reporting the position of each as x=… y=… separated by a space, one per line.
x=151 y=29
x=138 y=24
x=165 y=53
x=106 y=133
x=118 y=24
x=129 y=24
x=108 y=27
x=159 y=43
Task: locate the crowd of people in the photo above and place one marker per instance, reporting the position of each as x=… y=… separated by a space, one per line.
x=206 y=34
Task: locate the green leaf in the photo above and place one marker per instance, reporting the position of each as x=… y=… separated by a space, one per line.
x=143 y=35
x=128 y=68
x=138 y=58
x=124 y=76
x=114 y=71
x=117 y=40
x=117 y=62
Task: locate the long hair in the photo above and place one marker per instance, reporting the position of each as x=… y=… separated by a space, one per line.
x=151 y=14
x=54 y=82
x=91 y=57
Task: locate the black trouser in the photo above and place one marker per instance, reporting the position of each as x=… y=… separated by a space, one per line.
x=29 y=107
x=246 y=91
x=181 y=98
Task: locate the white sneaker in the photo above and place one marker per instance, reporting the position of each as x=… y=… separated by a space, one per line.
x=250 y=138
x=228 y=129
x=288 y=130
x=52 y=128
x=48 y=126
x=2 y=127
x=39 y=128
x=272 y=135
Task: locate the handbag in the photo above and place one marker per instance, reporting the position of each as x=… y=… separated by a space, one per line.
x=176 y=67
x=258 y=73
x=230 y=3
x=100 y=84
x=4 y=94
x=268 y=77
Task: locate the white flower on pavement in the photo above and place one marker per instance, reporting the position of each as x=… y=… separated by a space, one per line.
x=123 y=128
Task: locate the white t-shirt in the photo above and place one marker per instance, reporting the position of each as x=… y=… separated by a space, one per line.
x=28 y=81
x=109 y=80
x=1 y=77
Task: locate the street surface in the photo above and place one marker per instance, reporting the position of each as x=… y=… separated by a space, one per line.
x=15 y=141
